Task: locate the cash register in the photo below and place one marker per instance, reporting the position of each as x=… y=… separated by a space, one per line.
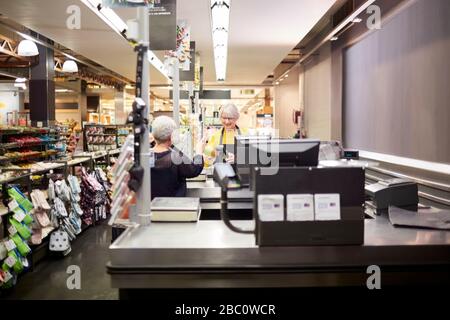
x=392 y=192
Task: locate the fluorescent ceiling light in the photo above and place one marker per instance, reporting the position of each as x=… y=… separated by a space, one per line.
x=334 y=38
x=116 y=21
x=357 y=20
x=107 y=15
x=220 y=20
x=27 y=48
x=70 y=66
x=63 y=90
x=119 y=26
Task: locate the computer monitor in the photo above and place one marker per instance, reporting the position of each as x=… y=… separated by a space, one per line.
x=241 y=156
x=286 y=152
x=261 y=151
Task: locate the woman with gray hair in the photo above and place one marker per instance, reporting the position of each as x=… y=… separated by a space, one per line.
x=222 y=140
x=171 y=167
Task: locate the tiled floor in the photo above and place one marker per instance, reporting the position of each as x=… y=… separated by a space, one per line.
x=48 y=280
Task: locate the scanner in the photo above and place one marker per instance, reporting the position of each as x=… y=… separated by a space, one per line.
x=393 y=192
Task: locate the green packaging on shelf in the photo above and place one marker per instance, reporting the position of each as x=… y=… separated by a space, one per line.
x=13 y=261
x=19 y=215
x=23 y=202
x=22 y=246
x=22 y=229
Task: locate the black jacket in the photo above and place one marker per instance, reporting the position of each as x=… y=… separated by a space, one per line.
x=170 y=171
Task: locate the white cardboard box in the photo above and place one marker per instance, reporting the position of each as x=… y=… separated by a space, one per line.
x=271 y=207
x=327 y=206
x=300 y=207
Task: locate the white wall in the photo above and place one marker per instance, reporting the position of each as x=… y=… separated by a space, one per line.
x=9 y=101
x=286 y=96
x=317 y=94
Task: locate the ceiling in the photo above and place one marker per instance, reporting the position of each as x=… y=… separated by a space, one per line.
x=262 y=33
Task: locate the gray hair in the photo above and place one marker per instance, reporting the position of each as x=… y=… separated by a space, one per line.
x=162 y=128
x=230 y=110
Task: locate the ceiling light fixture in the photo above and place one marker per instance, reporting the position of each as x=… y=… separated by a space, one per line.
x=334 y=38
x=107 y=15
x=357 y=20
x=20 y=83
x=119 y=26
x=220 y=20
x=27 y=48
x=70 y=66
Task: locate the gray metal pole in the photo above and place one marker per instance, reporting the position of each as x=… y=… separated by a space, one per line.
x=144 y=194
x=176 y=92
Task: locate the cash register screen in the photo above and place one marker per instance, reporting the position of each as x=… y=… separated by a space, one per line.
x=293 y=152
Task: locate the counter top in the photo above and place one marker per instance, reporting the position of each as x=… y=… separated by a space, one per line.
x=208 y=255
x=214 y=234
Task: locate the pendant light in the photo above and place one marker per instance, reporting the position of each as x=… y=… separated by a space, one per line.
x=27 y=48
x=70 y=66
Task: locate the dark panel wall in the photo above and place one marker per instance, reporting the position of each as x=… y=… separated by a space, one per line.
x=396 y=92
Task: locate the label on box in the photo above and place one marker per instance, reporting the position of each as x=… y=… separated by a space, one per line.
x=19 y=216
x=10 y=245
x=10 y=261
x=13 y=205
x=327 y=206
x=300 y=207
x=12 y=230
x=271 y=207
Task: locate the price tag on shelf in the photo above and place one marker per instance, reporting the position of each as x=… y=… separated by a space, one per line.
x=10 y=245
x=10 y=261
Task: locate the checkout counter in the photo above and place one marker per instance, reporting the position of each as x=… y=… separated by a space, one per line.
x=207 y=254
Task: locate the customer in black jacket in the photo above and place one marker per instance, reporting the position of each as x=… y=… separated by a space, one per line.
x=171 y=167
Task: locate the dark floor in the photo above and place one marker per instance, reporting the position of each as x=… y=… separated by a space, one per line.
x=48 y=280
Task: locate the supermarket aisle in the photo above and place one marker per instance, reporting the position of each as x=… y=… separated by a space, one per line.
x=48 y=280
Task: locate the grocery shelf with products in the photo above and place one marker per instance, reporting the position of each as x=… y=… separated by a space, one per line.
x=19 y=144
x=43 y=198
x=104 y=137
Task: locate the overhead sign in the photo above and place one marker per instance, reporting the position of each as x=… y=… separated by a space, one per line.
x=163 y=25
x=127 y=3
x=190 y=74
x=206 y=95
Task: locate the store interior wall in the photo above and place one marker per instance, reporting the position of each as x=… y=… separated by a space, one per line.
x=396 y=94
x=286 y=97
x=317 y=94
x=9 y=100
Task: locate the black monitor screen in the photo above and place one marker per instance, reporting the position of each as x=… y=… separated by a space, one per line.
x=285 y=153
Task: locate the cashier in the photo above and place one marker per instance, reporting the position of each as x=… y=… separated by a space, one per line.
x=220 y=144
x=171 y=167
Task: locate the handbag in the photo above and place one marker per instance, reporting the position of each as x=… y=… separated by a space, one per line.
x=59 y=241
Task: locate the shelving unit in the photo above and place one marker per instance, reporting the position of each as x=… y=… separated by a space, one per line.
x=20 y=144
x=104 y=137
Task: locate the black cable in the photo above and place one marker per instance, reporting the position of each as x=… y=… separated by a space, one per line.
x=226 y=218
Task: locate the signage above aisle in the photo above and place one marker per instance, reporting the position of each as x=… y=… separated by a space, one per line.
x=128 y=3
x=163 y=25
